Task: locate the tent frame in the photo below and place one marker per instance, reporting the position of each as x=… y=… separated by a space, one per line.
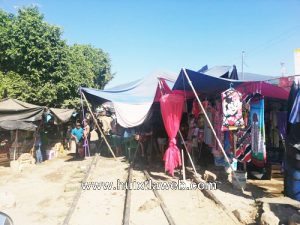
x=212 y=128
x=96 y=122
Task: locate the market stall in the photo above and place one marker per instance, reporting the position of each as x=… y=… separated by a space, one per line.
x=238 y=111
x=21 y=143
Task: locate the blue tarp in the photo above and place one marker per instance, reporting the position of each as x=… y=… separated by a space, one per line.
x=136 y=92
x=132 y=101
x=217 y=71
x=203 y=83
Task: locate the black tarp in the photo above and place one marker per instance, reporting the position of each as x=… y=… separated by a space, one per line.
x=62 y=115
x=17 y=125
x=13 y=109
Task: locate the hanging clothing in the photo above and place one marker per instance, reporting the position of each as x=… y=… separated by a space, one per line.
x=282 y=123
x=243 y=146
x=227 y=145
x=295 y=112
x=274 y=129
x=217 y=119
x=232 y=110
x=195 y=109
x=258 y=131
x=291 y=100
x=208 y=135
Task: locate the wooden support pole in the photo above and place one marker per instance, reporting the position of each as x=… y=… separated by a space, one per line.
x=96 y=122
x=188 y=153
x=183 y=167
x=212 y=128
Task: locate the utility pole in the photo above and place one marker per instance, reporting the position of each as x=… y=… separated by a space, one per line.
x=243 y=52
x=283 y=69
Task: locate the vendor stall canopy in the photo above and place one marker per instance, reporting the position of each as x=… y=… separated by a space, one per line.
x=62 y=115
x=17 y=125
x=13 y=109
x=212 y=85
x=16 y=110
x=132 y=101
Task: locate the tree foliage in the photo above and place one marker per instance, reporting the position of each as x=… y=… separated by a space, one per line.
x=36 y=64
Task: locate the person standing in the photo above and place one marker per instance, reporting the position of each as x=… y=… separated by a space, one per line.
x=68 y=138
x=77 y=134
x=37 y=146
x=86 y=136
x=94 y=139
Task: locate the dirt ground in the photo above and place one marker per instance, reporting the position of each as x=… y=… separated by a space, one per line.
x=44 y=193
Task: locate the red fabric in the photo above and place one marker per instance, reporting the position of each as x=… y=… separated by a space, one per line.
x=165 y=90
x=285 y=83
x=266 y=89
x=196 y=109
x=171 y=109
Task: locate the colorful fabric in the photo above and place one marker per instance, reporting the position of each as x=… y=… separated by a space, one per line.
x=295 y=113
x=232 y=110
x=258 y=131
x=171 y=110
x=218 y=125
x=208 y=135
x=196 y=109
x=243 y=145
x=282 y=123
x=227 y=145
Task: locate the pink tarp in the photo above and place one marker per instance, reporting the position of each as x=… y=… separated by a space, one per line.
x=171 y=109
x=267 y=90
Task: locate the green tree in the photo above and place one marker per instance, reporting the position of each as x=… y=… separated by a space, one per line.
x=33 y=51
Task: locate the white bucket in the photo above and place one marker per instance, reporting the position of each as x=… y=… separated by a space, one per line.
x=50 y=154
x=242 y=178
x=73 y=147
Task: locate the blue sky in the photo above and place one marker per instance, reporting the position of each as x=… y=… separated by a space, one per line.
x=147 y=36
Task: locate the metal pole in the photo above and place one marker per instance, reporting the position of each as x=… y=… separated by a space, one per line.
x=212 y=128
x=96 y=122
x=243 y=52
x=183 y=167
x=188 y=153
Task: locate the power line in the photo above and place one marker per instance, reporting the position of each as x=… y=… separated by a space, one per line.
x=275 y=40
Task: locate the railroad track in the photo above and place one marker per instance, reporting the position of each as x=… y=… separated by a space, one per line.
x=79 y=191
x=127 y=205
x=139 y=207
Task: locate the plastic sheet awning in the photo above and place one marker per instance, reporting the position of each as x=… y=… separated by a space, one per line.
x=13 y=109
x=210 y=85
x=132 y=101
x=17 y=125
x=62 y=115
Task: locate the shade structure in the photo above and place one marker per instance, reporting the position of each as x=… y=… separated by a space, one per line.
x=266 y=89
x=62 y=115
x=132 y=101
x=13 y=109
x=210 y=85
x=203 y=83
x=17 y=125
x=171 y=109
x=234 y=74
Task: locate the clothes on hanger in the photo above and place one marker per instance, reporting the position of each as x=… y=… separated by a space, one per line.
x=282 y=123
x=208 y=134
x=196 y=108
x=243 y=146
x=258 y=131
x=232 y=110
x=217 y=121
x=295 y=112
